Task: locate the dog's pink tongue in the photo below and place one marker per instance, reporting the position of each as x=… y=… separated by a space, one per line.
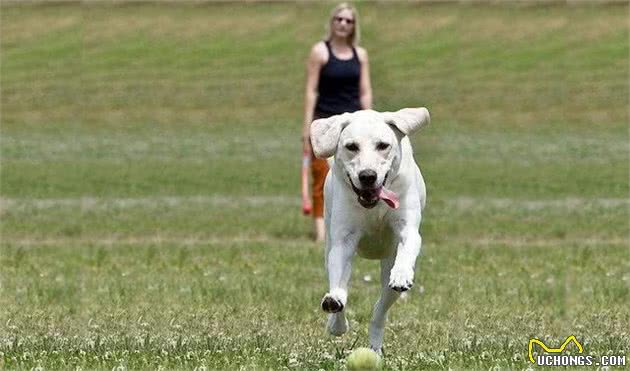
x=390 y=198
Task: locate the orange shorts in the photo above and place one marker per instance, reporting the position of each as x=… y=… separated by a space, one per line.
x=319 y=169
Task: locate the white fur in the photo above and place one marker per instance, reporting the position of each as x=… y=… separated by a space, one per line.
x=390 y=235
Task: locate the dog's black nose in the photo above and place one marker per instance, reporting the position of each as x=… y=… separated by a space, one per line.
x=367 y=177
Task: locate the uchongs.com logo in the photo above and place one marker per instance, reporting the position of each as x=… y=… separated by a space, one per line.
x=558 y=356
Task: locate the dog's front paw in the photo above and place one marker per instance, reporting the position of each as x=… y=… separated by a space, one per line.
x=330 y=304
x=401 y=280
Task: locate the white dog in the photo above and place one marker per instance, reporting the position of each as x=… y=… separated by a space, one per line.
x=373 y=162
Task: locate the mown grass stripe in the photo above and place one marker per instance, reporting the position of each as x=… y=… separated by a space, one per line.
x=95 y=203
x=231 y=240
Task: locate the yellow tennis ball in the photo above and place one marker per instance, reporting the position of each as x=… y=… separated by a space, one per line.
x=364 y=359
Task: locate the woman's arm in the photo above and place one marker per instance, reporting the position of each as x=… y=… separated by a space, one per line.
x=365 y=85
x=313 y=66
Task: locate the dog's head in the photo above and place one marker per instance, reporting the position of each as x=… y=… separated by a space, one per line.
x=366 y=145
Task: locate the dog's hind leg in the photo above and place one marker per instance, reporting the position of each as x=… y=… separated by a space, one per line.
x=385 y=301
x=337 y=323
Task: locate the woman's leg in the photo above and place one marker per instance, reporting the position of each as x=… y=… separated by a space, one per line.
x=319 y=169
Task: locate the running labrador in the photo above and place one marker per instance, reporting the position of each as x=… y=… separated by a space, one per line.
x=373 y=162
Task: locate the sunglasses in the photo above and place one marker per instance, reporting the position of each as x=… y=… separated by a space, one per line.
x=341 y=19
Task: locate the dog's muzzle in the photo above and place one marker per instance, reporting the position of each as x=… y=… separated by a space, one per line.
x=368 y=198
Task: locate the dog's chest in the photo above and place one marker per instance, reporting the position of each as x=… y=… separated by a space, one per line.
x=377 y=239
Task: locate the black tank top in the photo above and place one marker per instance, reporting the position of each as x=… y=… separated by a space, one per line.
x=338 y=85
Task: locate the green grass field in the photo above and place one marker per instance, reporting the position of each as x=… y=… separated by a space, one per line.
x=150 y=185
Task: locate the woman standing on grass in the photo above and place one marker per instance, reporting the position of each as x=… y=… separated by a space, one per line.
x=337 y=81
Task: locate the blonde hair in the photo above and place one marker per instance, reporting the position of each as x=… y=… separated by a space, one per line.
x=355 y=36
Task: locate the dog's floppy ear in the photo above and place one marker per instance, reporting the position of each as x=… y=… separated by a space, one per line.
x=408 y=120
x=325 y=134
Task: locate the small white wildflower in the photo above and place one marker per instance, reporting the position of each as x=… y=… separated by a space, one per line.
x=293 y=362
x=367 y=278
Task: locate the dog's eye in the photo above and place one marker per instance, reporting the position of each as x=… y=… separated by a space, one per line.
x=352 y=147
x=381 y=146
